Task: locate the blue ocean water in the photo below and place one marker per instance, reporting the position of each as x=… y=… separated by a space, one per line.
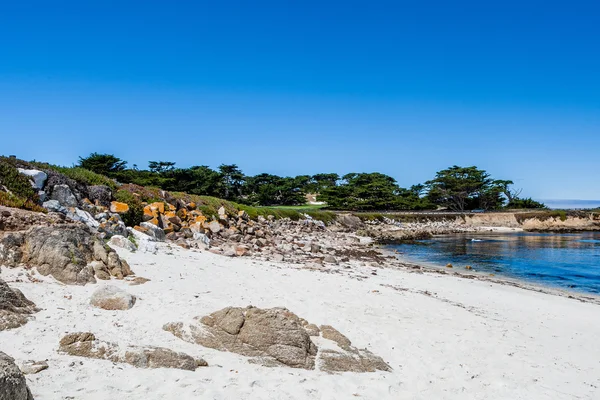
x=571 y=204
x=567 y=261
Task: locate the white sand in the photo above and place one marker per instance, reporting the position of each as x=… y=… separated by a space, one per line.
x=468 y=340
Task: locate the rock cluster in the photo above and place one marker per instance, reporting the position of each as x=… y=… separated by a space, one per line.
x=275 y=337
x=85 y=344
x=14 y=219
x=15 y=308
x=71 y=253
x=13 y=385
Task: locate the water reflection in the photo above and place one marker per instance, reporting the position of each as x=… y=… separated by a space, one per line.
x=564 y=260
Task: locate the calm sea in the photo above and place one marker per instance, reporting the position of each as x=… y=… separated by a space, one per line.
x=572 y=204
x=566 y=261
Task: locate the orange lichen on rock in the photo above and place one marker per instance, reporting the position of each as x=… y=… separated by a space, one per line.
x=118 y=207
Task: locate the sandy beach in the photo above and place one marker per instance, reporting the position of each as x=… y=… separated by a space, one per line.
x=445 y=337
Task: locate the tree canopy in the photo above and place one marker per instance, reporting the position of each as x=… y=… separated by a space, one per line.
x=455 y=188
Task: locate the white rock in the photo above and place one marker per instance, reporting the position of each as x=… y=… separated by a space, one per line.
x=80 y=215
x=201 y=237
x=144 y=243
x=122 y=242
x=112 y=298
x=31 y=367
x=38 y=178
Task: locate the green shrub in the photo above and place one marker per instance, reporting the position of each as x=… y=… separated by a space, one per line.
x=10 y=200
x=16 y=183
x=79 y=174
x=135 y=215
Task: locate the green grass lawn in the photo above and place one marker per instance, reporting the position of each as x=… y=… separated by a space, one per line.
x=302 y=208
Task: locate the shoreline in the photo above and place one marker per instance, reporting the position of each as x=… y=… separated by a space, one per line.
x=413 y=266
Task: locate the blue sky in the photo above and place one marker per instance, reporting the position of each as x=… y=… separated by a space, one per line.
x=401 y=87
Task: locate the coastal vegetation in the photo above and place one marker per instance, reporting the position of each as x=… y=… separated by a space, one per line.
x=455 y=188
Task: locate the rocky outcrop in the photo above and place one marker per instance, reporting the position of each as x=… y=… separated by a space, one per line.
x=85 y=344
x=15 y=308
x=70 y=253
x=13 y=385
x=112 y=298
x=14 y=219
x=276 y=337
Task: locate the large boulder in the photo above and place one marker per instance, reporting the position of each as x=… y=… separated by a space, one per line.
x=15 y=308
x=71 y=253
x=13 y=385
x=64 y=195
x=350 y=221
x=85 y=344
x=100 y=195
x=275 y=336
x=112 y=298
x=79 y=190
x=38 y=178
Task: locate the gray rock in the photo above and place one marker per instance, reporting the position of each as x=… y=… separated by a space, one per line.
x=154 y=231
x=64 y=195
x=15 y=308
x=112 y=298
x=13 y=385
x=65 y=252
x=100 y=194
x=350 y=221
x=38 y=178
x=54 y=205
x=330 y=259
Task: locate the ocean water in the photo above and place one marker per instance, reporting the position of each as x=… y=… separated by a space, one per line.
x=567 y=261
x=571 y=204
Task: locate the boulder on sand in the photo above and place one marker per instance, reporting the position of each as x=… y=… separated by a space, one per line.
x=112 y=298
x=65 y=252
x=85 y=344
x=13 y=385
x=15 y=308
x=276 y=337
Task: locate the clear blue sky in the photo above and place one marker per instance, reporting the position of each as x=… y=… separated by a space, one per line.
x=401 y=87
